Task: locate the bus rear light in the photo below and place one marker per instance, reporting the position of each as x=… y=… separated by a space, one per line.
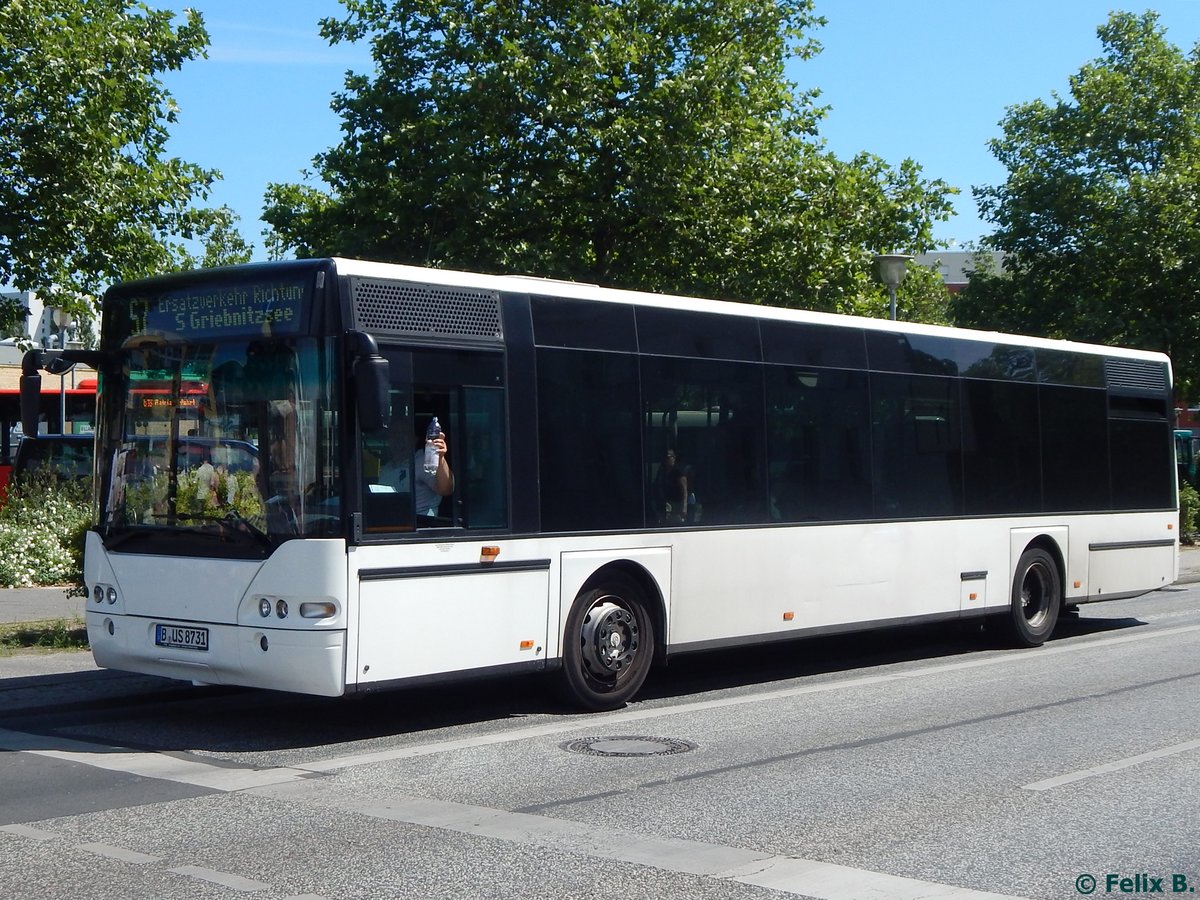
x=323 y=609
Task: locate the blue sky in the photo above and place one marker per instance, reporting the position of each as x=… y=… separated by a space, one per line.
x=928 y=80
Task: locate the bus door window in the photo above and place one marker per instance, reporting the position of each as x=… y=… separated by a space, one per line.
x=397 y=494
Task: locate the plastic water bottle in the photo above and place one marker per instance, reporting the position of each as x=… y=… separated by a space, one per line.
x=431 y=454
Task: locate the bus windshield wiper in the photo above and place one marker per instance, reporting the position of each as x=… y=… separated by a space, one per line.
x=231 y=519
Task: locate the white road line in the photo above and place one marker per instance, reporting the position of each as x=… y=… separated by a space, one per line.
x=831 y=882
x=809 y=878
x=124 y=855
x=28 y=831
x=1114 y=766
x=149 y=765
x=234 y=882
x=574 y=724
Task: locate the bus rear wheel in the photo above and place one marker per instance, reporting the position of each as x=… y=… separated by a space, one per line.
x=608 y=646
x=1037 y=598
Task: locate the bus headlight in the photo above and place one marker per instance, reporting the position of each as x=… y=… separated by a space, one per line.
x=264 y=606
x=281 y=608
x=98 y=593
x=111 y=595
x=318 y=610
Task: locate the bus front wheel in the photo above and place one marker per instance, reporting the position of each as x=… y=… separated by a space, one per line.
x=609 y=645
x=1036 y=598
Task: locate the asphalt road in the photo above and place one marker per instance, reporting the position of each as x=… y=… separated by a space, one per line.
x=916 y=763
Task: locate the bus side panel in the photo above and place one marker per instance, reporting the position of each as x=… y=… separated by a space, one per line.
x=738 y=586
x=1121 y=570
x=449 y=618
x=776 y=581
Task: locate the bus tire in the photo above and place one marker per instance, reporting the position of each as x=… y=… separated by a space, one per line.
x=608 y=645
x=1037 y=598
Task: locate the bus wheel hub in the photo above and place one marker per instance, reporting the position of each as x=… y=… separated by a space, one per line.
x=610 y=638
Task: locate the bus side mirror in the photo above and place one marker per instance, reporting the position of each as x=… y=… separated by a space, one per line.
x=56 y=362
x=31 y=392
x=372 y=380
x=31 y=401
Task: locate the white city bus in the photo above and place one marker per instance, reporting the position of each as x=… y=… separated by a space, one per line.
x=841 y=473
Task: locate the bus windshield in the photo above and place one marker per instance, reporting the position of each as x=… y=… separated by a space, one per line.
x=232 y=440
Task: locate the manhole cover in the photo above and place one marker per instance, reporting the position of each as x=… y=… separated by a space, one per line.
x=628 y=746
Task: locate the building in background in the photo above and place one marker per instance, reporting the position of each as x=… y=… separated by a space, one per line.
x=956 y=266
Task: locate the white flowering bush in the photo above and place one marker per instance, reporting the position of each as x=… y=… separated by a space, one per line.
x=42 y=528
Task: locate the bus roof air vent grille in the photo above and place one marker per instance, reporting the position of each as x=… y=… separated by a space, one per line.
x=1135 y=375
x=425 y=310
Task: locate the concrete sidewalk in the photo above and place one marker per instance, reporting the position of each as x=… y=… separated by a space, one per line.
x=18 y=605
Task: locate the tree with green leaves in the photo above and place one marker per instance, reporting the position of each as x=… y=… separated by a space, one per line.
x=645 y=143
x=1098 y=216
x=88 y=195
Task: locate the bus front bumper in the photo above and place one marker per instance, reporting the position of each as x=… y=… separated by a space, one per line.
x=304 y=662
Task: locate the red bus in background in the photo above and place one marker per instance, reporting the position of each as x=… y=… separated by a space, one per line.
x=79 y=403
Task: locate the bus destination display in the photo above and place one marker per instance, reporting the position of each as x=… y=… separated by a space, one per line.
x=242 y=310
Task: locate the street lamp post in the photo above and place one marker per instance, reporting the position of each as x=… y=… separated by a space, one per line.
x=64 y=321
x=891 y=269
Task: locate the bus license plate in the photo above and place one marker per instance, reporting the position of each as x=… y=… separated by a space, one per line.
x=182 y=638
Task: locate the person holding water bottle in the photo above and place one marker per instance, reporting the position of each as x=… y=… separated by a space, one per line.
x=434 y=479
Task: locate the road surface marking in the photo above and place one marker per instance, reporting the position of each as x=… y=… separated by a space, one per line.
x=218 y=776
x=1114 y=766
x=124 y=855
x=806 y=877
x=235 y=882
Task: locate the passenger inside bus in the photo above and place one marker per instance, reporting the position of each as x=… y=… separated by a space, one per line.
x=404 y=472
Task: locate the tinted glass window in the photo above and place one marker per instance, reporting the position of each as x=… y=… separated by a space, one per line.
x=802 y=344
x=977 y=359
x=918 y=354
x=710 y=414
x=1141 y=465
x=589 y=441
x=1074 y=449
x=1001 y=460
x=584 y=324
x=922 y=354
x=677 y=332
x=818 y=442
x=916 y=444
x=1062 y=367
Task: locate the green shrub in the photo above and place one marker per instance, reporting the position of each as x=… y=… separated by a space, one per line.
x=1189 y=507
x=42 y=528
